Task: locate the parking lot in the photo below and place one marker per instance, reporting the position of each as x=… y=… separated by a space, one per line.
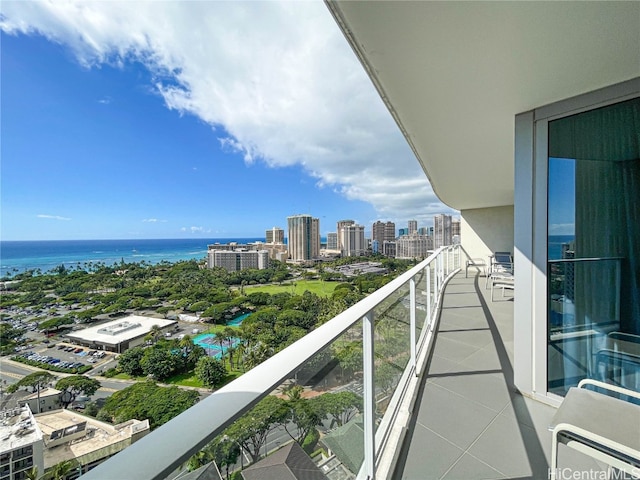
x=66 y=357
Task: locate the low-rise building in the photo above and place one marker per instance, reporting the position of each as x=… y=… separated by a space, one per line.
x=46 y=400
x=120 y=335
x=68 y=435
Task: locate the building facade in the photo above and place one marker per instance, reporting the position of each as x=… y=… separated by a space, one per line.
x=303 y=237
x=389 y=249
x=351 y=237
x=442 y=232
x=274 y=235
x=340 y=226
x=383 y=232
x=239 y=260
x=412 y=247
x=332 y=241
x=412 y=226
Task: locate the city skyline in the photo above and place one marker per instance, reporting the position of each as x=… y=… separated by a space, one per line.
x=114 y=128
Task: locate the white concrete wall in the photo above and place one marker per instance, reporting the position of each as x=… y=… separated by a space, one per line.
x=487 y=230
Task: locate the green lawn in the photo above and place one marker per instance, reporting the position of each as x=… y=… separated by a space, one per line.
x=319 y=287
x=185 y=379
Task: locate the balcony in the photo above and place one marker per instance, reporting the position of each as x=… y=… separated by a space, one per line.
x=431 y=357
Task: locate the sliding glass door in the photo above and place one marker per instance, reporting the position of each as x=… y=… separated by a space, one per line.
x=593 y=247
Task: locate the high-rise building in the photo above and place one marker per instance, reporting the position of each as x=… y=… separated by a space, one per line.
x=455 y=227
x=351 y=237
x=383 y=231
x=303 y=237
x=403 y=231
x=442 y=232
x=389 y=249
x=340 y=226
x=412 y=246
x=274 y=235
x=332 y=241
x=413 y=226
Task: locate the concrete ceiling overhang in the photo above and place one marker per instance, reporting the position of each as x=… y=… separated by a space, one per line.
x=455 y=74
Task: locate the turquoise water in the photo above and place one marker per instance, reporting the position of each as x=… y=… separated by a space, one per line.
x=238 y=320
x=207 y=341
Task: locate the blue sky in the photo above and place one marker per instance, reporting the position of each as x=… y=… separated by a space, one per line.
x=116 y=126
x=562 y=193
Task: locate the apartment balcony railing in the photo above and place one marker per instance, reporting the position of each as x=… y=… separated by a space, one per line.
x=375 y=349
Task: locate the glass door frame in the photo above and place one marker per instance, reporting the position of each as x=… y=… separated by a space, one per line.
x=531 y=231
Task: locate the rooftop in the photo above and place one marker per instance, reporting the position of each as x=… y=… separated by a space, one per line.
x=45 y=392
x=121 y=330
x=100 y=440
x=17 y=428
x=290 y=462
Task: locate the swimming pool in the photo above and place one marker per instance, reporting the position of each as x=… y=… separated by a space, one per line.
x=212 y=346
x=238 y=320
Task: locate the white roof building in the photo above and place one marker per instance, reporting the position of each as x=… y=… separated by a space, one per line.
x=20 y=443
x=119 y=335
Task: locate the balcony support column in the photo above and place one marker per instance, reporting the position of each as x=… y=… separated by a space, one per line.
x=368 y=467
x=412 y=323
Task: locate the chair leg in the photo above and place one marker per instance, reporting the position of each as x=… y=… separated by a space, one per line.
x=554 y=457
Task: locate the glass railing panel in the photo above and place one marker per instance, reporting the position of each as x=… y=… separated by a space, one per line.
x=391 y=346
x=319 y=407
x=421 y=302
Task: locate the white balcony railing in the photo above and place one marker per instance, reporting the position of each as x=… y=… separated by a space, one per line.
x=391 y=333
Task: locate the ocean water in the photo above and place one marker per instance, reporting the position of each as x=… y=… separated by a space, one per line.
x=555 y=245
x=19 y=256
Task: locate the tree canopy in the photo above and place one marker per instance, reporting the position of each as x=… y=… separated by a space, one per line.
x=147 y=400
x=210 y=371
x=35 y=380
x=251 y=430
x=77 y=384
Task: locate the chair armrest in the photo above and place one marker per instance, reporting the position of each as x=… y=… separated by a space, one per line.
x=608 y=386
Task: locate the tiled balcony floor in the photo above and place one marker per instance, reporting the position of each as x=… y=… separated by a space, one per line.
x=469 y=421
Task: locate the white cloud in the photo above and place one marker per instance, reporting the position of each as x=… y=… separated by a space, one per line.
x=105 y=100
x=53 y=217
x=278 y=77
x=153 y=220
x=562 y=229
x=195 y=230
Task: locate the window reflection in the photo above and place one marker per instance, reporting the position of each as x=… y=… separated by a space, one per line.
x=593 y=247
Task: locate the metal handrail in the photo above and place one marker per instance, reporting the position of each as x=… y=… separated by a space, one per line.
x=585 y=259
x=168 y=447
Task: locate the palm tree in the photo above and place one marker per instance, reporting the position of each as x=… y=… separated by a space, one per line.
x=230 y=351
x=155 y=332
x=186 y=345
x=222 y=340
x=32 y=473
x=62 y=470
